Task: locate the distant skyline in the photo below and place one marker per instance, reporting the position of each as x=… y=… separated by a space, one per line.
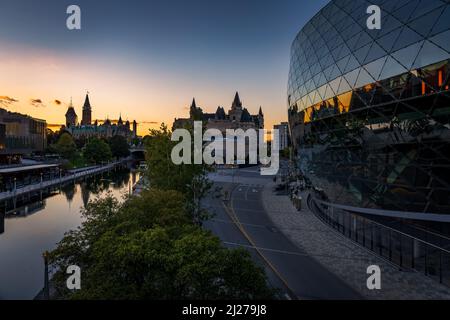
x=146 y=60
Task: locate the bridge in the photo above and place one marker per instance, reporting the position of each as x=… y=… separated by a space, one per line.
x=37 y=187
x=138 y=152
x=137 y=149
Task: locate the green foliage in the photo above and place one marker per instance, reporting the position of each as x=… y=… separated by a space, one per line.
x=65 y=146
x=52 y=137
x=78 y=161
x=152 y=246
x=135 y=141
x=189 y=179
x=285 y=153
x=119 y=147
x=96 y=151
x=81 y=142
x=147 y=248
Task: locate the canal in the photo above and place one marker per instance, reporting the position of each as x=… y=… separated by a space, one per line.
x=31 y=227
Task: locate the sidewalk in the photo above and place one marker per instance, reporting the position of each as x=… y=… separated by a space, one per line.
x=344 y=258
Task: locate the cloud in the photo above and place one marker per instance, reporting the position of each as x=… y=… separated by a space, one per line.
x=149 y=122
x=57 y=102
x=37 y=103
x=7 y=101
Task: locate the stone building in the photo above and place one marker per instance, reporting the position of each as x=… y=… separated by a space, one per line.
x=20 y=135
x=71 y=116
x=87 y=112
x=238 y=117
x=87 y=129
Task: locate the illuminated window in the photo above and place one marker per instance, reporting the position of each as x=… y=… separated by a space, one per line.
x=308 y=114
x=344 y=101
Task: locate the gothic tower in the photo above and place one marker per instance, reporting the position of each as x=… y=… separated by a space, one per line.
x=261 y=118
x=87 y=112
x=235 y=113
x=134 y=129
x=71 y=116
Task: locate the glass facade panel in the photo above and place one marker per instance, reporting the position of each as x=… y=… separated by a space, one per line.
x=369 y=114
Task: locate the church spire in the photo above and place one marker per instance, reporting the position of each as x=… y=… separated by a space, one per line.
x=237 y=104
x=194 y=111
x=87 y=103
x=71 y=116
x=87 y=112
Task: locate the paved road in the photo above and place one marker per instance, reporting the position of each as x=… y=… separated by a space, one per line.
x=303 y=276
x=223 y=226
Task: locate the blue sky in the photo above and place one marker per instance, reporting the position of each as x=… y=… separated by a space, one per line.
x=207 y=49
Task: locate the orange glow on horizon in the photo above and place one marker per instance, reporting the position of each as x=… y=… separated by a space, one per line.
x=31 y=74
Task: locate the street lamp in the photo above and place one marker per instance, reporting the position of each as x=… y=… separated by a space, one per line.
x=46 y=256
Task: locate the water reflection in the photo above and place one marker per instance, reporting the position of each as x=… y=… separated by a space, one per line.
x=32 y=225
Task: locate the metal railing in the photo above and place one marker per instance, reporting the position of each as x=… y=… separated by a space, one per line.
x=403 y=250
x=50 y=183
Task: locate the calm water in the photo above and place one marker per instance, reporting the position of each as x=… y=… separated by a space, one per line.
x=38 y=226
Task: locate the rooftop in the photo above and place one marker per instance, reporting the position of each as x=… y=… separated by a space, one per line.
x=27 y=168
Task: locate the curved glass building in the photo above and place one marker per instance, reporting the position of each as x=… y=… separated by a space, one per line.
x=369 y=114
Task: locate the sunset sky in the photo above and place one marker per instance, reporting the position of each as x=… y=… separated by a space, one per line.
x=148 y=59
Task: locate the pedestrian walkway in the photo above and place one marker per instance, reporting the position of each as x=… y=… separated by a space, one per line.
x=343 y=257
x=57 y=181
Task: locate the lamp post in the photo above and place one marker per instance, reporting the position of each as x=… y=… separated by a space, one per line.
x=46 y=255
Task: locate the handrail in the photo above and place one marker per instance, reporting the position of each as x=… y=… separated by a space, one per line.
x=41 y=185
x=391 y=213
x=378 y=224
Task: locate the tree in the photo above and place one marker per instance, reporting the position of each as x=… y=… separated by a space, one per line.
x=66 y=146
x=189 y=179
x=162 y=172
x=52 y=137
x=119 y=147
x=285 y=153
x=97 y=151
x=81 y=142
x=147 y=248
